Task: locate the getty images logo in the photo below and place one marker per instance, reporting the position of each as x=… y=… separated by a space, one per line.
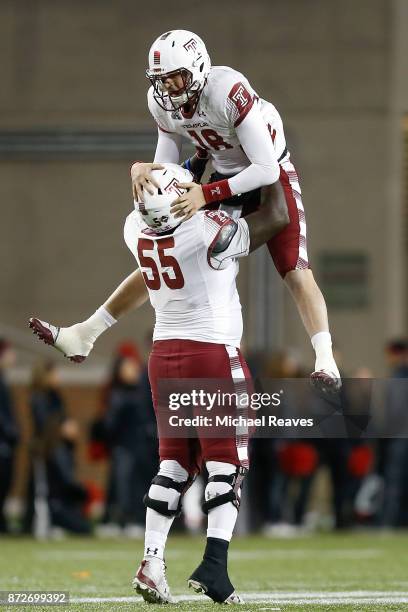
x=219 y=399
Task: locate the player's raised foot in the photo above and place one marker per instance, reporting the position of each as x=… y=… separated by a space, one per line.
x=212 y=580
x=326 y=381
x=65 y=339
x=151 y=582
x=45 y=331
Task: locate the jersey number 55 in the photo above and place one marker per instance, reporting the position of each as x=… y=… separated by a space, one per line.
x=148 y=263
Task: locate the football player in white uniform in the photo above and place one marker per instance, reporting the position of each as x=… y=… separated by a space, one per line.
x=188 y=271
x=218 y=111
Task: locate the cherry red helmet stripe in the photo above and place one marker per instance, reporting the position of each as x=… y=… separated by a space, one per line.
x=156 y=57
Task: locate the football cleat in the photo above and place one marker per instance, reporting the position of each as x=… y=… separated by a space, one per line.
x=212 y=580
x=65 y=339
x=234 y=598
x=151 y=583
x=325 y=381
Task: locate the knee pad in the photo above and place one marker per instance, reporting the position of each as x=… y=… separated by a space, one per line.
x=224 y=485
x=167 y=488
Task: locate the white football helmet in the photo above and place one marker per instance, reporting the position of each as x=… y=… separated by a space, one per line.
x=155 y=209
x=178 y=52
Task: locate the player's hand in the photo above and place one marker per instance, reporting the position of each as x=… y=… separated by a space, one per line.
x=189 y=203
x=142 y=179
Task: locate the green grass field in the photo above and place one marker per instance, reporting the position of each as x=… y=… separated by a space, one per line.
x=327 y=572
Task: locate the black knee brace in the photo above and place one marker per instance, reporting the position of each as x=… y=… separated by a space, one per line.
x=162 y=506
x=235 y=481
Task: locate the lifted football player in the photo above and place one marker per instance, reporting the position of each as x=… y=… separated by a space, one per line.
x=188 y=271
x=218 y=111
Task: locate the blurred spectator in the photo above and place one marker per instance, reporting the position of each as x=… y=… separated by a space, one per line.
x=54 y=496
x=394 y=452
x=47 y=414
x=347 y=460
x=364 y=494
x=334 y=453
x=129 y=429
x=47 y=405
x=283 y=364
x=66 y=496
x=9 y=433
x=396 y=352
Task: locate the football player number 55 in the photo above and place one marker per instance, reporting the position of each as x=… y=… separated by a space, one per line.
x=173 y=281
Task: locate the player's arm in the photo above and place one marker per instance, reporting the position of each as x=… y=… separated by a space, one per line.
x=258 y=147
x=271 y=217
x=197 y=163
x=168 y=147
x=76 y=342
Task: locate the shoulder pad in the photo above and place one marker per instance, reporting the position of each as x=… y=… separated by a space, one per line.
x=224 y=236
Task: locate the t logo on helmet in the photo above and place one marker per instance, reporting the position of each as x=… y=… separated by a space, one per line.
x=173 y=187
x=191 y=45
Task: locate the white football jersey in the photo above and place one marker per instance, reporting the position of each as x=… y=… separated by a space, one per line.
x=223 y=104
x=193 y=294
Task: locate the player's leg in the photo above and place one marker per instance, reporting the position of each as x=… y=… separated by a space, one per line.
x=227 y=464
x=222 y=499
x=289 y=252
x=313 y=312
x=163 y=504
x=178 y=465
x=76 y=341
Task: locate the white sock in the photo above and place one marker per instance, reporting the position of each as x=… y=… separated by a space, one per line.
x=106 y=315
x=157 y=530
x=97 y=323
x=222 y=519
x=158 y=525
x=88 y=331
x=322 y=344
